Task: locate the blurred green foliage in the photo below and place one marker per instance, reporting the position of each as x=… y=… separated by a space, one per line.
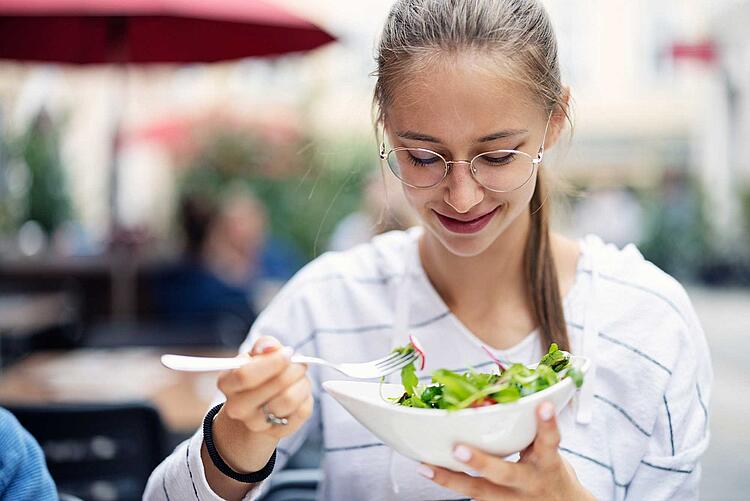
x=677 y=234
x=48 y=199
x=307 y=184
x=34 y=185
x=8 y=210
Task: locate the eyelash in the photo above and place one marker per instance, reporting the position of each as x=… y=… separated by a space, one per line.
x=421 y=163
x=504 y=160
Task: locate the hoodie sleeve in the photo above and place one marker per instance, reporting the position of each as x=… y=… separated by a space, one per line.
x=181 y=475
x=23 y=472
x=670 y=468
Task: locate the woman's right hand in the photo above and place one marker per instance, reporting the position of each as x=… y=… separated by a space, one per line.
x=243 y=437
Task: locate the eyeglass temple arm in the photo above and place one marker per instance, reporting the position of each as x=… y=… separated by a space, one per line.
x=540 y=153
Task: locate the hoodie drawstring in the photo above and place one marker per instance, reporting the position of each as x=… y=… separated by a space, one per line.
x=585 y=397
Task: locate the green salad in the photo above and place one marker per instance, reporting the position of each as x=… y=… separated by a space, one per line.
x=453 y=391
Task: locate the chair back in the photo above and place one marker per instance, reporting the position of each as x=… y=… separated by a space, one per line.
x=97 y=452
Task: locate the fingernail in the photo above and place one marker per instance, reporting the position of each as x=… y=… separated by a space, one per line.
x=265 y=346
x=287 y=351
x=425 y=471
x=546 y=411
x=462 y=453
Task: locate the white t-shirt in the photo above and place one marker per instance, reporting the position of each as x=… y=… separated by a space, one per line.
x=648 y=397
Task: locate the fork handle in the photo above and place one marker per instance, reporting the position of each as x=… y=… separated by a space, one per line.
x=207 y=364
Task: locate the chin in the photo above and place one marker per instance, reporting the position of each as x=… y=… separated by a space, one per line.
x=465 y=245
x=475 y=244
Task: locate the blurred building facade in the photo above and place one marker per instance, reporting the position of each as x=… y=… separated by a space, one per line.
x=656 y=86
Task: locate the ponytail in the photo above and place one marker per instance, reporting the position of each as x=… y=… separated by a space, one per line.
x=541 y=273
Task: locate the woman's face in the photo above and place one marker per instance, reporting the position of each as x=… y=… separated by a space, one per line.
x=459 y=111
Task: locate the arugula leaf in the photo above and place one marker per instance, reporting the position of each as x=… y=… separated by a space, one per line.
x=555 y=358
x=409 y=379
x=432 y=395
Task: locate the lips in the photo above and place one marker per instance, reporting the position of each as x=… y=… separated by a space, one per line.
x=471 y=226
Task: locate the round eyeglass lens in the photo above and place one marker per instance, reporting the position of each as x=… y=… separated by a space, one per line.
x=417 y=167
x=504 y=170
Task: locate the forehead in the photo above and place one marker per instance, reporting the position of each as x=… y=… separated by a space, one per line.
x=461 y=99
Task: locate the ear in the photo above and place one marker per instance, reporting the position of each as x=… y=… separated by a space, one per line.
x=557 y=120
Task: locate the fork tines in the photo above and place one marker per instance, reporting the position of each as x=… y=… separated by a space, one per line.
x=395 y=360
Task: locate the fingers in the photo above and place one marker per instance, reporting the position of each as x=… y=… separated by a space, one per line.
x=474 y=487
x=302 y=413
x=500 y=479
x=258 y=370
x=296 y=405
x=272 y=388
x=290 y=399
x=495 y=469
x=547 y=438
x=265 y=344
x=242 y=404
x=296 y=420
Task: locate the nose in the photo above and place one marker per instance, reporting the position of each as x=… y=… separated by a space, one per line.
x=463 y=191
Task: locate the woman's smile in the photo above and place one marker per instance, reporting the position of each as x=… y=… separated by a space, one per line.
x=465 y=225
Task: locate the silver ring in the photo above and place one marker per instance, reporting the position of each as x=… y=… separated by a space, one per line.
x=273 y=419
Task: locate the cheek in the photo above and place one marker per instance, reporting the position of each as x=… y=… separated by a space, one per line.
x=416 y=198
x=520 y=199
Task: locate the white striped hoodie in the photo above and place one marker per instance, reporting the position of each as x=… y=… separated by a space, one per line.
x=636 y=431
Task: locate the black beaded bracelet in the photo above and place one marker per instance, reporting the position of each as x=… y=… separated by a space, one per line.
x=208 y=439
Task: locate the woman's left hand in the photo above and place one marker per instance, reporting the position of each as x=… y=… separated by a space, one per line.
x=541 y=473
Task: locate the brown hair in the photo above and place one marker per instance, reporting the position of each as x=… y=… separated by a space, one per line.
x=519 y=35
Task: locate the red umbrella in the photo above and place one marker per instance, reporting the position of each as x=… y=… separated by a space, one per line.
x=150 y=31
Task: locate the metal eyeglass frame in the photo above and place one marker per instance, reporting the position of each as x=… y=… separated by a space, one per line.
x=472 y=168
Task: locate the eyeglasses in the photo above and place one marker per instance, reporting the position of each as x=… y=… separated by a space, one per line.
x=501 y=171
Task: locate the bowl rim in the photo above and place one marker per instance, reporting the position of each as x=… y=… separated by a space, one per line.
x=584 y=365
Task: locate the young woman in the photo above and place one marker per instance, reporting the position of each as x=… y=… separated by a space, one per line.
x=469 y=98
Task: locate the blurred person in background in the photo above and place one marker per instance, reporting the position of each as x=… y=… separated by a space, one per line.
x=230 y=267
x=469 y=97
x=222 y=240
x=23 y=472
x=383 y=208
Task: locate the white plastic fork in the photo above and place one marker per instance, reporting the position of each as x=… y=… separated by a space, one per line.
x=364 y=370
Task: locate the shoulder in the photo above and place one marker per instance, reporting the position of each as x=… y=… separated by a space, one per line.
x=632 y=288
x=645 y=317
x=12 y=434
x=17 y=446
x=340 y=289
x=377 y=261
x=650 y=346
x=23 y=472
x=14 y=438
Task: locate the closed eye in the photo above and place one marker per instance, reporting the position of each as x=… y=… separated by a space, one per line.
x=420 y=158
x=498 y=158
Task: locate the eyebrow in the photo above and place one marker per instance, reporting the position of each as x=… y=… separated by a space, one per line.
x=416 y=136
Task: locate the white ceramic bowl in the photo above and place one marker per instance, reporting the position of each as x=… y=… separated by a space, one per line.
x=429 y=435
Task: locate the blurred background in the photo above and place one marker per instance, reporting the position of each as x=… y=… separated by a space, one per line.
x=154 y=200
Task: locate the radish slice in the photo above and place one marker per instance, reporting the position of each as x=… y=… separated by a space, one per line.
x=494 y=358
x=418 y=348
